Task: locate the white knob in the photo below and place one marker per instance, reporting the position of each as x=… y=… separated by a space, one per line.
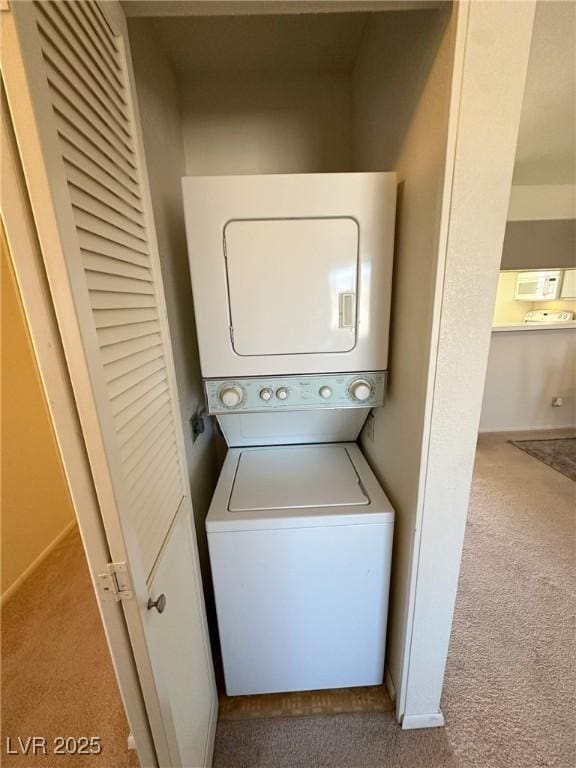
x=281 y=393
x=325 y=392
x=231 y=396
x=266 y=394
x=361 y=389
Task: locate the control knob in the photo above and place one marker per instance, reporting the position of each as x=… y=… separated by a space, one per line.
x=231 y=395
x=360 y=390
x=282 y=393
x=265 y=394
x=325 y=392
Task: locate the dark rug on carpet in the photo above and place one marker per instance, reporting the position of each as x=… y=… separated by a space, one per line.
x=560 y=454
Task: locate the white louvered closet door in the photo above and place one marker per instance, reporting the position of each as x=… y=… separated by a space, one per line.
x=82 y=156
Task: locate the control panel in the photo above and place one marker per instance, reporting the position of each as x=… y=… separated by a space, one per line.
x=295 y=393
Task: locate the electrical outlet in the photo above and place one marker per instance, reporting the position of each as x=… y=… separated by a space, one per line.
x=197 y=424
x=557 y=402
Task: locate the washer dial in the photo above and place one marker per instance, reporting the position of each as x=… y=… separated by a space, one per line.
x=360 y=390
x=231 y=395
x=282 y=393
x=265 y=394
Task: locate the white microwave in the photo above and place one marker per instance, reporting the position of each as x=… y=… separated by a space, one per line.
x=538 y=286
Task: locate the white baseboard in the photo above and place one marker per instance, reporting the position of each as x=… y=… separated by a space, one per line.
x=389 y=685
x=434 y=720
x=35 y=563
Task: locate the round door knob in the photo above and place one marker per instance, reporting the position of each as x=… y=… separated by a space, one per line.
x=159 y=603
x=360 y=390
x=325 y=392
x=281 y=393
x=231 y=395
x=266 y=394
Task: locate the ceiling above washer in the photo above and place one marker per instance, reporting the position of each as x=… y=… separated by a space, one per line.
x=546 y=152
x=280 y=44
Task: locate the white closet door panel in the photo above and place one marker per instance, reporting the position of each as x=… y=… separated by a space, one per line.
x=92 y=118
x=82 y=157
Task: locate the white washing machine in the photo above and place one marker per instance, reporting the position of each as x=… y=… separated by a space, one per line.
x=291 y=278
x=300 y=540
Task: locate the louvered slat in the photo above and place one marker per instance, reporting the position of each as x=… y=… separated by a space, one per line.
x=99 y=54
x=104 y=40
x=70 y=88
x=82 y=58
x=105 y=318
x=92 y=242
x=101 y=192
x=100 y=170
x=57 y=42
x=87 y=141
x=138 y=425
x=124 y=399
x=114 y=334
x=85 y=75
x=94 y=207
x=136 y=456
x=143 y=492
x=166 y=442
x=97 y=226
x=143 y=436
x=140 y=404
x=109 y=300
x=95 y=262
x=134 y=377
x=114 y=371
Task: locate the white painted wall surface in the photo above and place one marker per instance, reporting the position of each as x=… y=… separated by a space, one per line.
x=495 y=62
x=401 y=117
x=266 y=124
x=526 y=370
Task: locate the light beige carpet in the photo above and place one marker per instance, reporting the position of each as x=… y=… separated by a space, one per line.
x=509 y=697
x=57 y=676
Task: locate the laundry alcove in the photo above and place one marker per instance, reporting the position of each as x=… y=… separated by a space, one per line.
x=307 y=93
x=112 y=104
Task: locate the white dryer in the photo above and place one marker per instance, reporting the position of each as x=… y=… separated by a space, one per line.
x=291 y=278
x=300 y=541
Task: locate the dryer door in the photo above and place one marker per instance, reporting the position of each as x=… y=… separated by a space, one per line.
x=302 y=275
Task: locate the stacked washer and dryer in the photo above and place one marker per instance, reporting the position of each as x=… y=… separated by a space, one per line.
x=291 y=277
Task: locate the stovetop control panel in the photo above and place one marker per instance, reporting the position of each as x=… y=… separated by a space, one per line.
x=295 y=393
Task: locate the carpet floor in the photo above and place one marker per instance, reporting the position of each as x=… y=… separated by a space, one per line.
x=57 y=675
x=509 y=697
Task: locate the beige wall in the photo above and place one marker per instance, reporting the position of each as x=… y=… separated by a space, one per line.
x=401 y=116
x=526 y=370
x=267 y=124
x=36 y=507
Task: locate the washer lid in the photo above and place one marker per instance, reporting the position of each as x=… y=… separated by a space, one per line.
x=295 y=477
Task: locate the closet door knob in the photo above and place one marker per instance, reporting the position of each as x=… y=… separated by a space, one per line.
x=159 y=603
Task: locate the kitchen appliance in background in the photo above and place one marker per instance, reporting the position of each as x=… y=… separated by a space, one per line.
x=538 y=286
x=548 y=316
